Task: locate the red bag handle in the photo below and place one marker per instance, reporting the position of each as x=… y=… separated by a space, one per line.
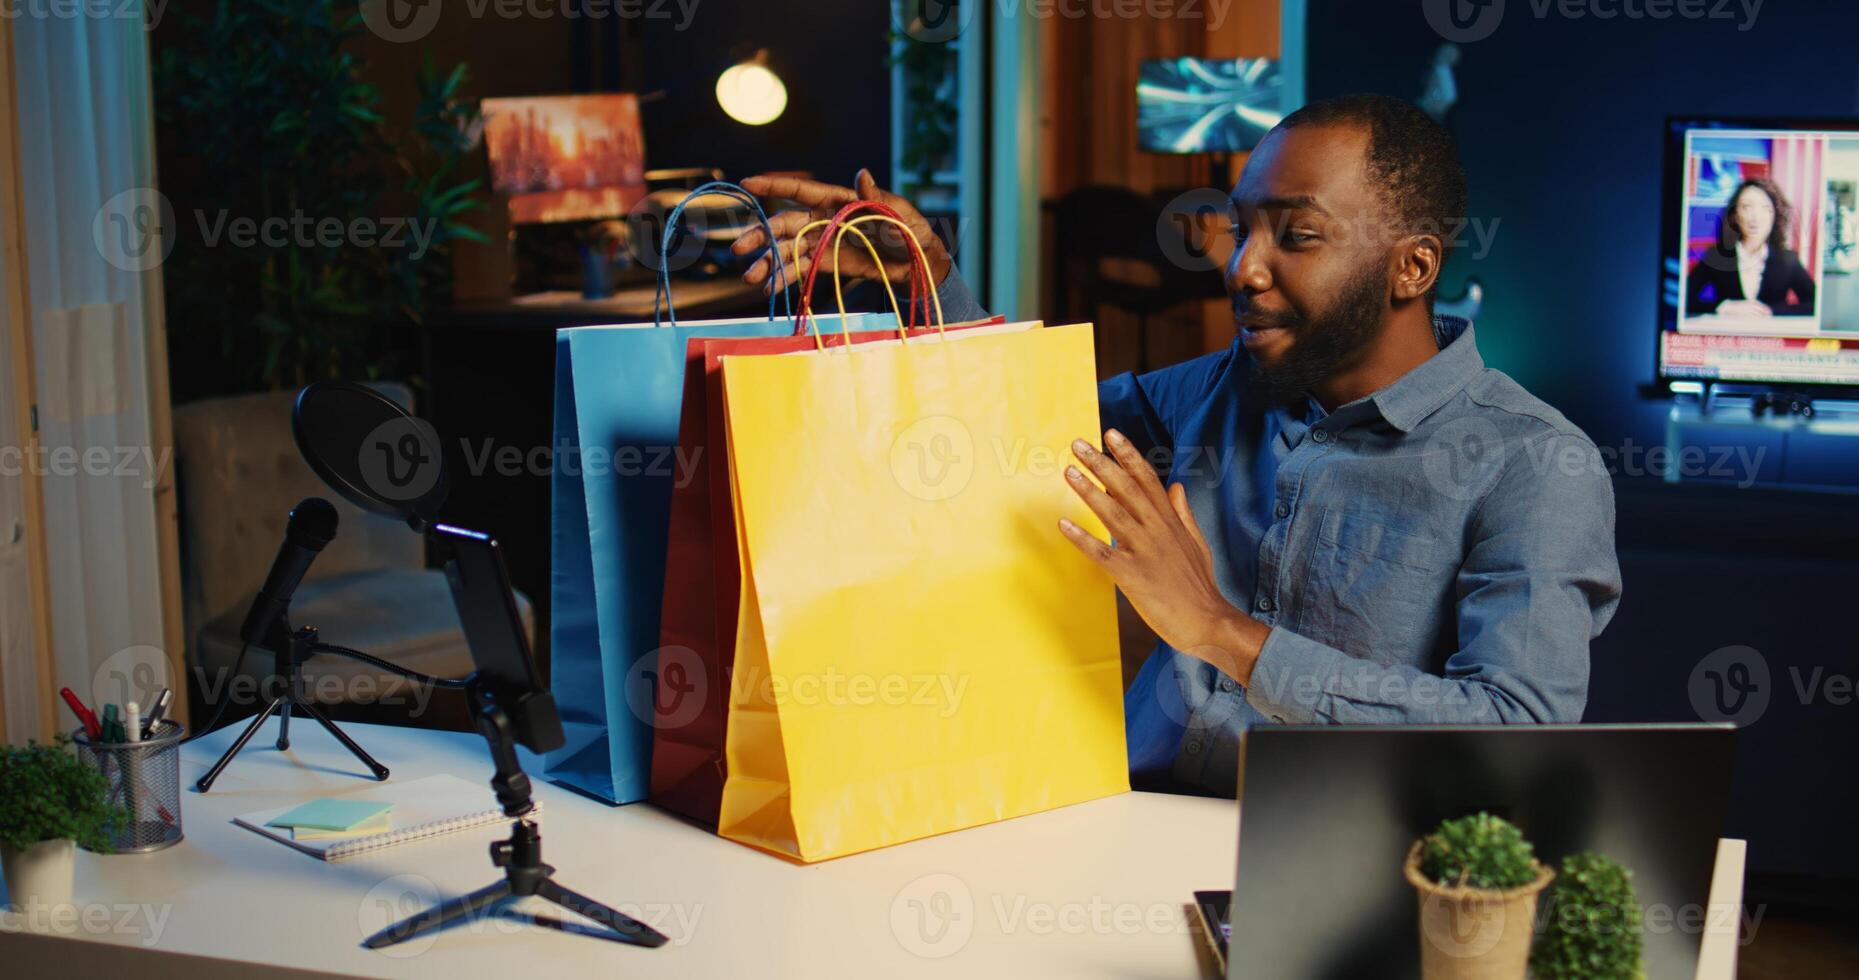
x=919 y=267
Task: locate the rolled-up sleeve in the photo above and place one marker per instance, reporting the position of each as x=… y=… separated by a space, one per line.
x=959 y=304
x=1539 y=581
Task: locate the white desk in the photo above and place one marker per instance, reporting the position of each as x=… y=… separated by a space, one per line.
x=1094 y=890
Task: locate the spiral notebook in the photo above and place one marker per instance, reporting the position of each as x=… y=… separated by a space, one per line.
x=424 y=808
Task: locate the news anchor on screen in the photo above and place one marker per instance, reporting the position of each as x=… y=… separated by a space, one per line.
x=1751 y=271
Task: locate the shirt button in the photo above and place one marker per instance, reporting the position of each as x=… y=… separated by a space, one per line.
x=1321 y=435
x=1228 y=685
x=1283 y=511
x=1194 y=746
x=1265 y=603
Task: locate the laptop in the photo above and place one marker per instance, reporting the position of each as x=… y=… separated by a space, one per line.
x=1327 y=815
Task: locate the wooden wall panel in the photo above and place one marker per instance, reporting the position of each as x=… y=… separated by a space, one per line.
x=1088 y=136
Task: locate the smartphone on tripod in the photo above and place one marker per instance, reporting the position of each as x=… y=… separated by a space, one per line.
x=510 y=707
x=499 y=642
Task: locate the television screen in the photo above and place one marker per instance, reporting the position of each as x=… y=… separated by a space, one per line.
x=1199 y=105
x=1761 y=280
x=566 y=157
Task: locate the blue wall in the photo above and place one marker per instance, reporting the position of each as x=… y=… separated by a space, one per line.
x=1560 y=123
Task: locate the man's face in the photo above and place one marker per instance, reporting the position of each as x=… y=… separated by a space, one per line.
x=1309 y=278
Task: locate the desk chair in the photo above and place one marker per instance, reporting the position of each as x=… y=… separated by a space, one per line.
x=1108 y=249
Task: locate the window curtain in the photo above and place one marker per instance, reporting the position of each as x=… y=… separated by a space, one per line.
x=93 y=226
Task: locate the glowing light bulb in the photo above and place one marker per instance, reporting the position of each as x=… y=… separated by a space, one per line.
x=751 y=94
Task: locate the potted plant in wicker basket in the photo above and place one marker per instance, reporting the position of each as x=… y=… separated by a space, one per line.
x=50 y=802
x=1592 y=927
x=1477 y=880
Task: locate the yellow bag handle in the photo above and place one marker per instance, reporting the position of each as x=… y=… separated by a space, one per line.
x=916 y=254
x=917 y=258
x=806 y=301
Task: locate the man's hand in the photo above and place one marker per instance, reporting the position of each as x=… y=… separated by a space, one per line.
x=822 y=201
x=1160 y=560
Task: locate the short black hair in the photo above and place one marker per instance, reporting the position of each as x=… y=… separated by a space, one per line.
x=1412 y=159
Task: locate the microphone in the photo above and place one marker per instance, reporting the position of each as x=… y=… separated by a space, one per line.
x=312 y=525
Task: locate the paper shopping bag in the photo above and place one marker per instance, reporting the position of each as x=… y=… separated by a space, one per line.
x=697 y=625
x=919 y=649
x=618 y=391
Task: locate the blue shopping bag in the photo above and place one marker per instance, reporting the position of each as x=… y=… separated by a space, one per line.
x=618 y=398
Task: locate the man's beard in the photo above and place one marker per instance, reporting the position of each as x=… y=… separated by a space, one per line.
x=1328 y=341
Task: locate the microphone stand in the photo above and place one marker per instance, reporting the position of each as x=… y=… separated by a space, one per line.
x=290 y=648
x=520 y=857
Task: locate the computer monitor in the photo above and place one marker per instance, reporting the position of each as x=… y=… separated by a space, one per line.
x=1327 y=814
x=1202 y=105
x=566 y=157
x=1760 y=260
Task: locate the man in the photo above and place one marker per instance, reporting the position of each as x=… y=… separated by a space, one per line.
x=1363 y=523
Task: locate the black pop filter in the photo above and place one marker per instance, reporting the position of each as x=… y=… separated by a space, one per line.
x=369 y=450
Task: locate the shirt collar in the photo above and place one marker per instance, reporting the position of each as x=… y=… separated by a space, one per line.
x=1420 y=392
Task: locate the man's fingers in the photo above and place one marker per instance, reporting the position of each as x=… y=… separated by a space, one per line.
x=1118 y=483
x=1141 y=473
x=790 y=273
x=868 y=190
x=1093 y=547
x=748 y=241
x=784 y=225
x=1121 y=526
x=1178 y=496
x=812 y=193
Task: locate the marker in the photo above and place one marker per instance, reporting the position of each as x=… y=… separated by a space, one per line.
x=132 y=723
x=84 y=716
x=109 y=724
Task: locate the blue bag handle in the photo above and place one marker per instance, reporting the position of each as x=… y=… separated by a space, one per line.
x=736 y=192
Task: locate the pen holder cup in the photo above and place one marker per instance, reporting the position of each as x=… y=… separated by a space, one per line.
x=145 y=779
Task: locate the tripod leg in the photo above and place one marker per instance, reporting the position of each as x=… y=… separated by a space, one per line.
x=284 y=712
x=206 y=781
x=629 y=929
x=439 y=916
x=380 y=771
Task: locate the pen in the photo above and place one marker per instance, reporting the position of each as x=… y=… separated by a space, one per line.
x=84 y=716
x=156 y=711
x=109 y=724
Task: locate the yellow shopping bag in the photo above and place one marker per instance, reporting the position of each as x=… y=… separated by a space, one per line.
x=919 y=649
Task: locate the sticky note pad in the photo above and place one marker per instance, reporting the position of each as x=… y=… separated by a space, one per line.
x=336 y=814
x=373 y=825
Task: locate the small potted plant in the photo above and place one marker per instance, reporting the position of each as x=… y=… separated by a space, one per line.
x=1477 y=880
x=50 y=802
x=1591 y=929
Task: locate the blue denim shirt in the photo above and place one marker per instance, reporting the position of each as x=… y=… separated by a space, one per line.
x=1441 y=551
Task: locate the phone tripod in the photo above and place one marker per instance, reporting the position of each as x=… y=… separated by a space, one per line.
x=520 y=857
x=289 y=651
